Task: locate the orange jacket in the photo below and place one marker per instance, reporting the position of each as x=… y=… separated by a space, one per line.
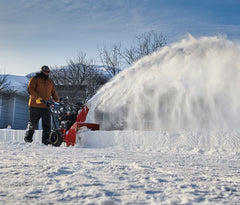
x=39 y=87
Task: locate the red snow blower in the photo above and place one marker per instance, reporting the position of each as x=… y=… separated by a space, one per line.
x=66 y=125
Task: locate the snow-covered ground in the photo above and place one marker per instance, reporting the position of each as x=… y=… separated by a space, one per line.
x=121 y=167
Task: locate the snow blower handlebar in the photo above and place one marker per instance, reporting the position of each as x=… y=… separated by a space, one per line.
x=51 y=103
x=55 y=136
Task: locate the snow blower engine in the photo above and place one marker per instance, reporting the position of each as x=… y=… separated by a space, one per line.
x=65 y=125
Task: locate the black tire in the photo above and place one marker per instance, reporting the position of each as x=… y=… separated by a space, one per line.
x=56 y=138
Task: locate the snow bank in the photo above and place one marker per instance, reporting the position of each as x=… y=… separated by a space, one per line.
x=162 y=141
x=17 y=136
x=144 y=140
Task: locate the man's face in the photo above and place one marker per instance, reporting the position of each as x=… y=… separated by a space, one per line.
x=46 y=73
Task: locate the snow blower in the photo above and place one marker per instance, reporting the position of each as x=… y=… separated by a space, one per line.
x=65 y=124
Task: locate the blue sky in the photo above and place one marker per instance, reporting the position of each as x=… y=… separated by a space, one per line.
x=38 y=32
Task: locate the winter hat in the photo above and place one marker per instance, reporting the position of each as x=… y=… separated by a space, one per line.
x=45 y=69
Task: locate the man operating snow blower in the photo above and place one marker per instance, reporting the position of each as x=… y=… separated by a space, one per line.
x=41 y=88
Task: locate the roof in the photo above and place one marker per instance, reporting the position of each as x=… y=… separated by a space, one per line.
x=17 y=83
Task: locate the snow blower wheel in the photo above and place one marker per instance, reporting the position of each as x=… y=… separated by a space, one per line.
x=56 y=138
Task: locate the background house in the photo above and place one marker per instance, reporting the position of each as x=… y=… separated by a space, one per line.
x=14 y=103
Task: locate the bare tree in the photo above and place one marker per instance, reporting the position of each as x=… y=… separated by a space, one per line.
x=78 y=81
x=115 y=58
x=111 y=59
x=144 y=45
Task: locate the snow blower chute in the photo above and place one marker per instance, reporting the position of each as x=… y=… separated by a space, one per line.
x=70 y=136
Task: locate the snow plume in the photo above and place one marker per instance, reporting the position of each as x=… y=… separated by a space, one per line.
x=191 y=85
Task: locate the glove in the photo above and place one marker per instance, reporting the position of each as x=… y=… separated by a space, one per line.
x=39 y=101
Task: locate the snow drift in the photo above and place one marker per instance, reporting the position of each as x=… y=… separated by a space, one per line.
x=143 y=141
x=191 y=85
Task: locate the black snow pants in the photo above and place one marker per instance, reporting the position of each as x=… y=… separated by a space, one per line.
x=34 y=116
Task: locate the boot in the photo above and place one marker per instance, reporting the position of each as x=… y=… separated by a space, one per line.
x=29 y=133
x=28 y=139
x=45 y=138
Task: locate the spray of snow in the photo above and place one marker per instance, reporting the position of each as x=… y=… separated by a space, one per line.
x=191 y=85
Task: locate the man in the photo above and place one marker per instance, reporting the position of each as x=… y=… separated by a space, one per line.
x=40 y=88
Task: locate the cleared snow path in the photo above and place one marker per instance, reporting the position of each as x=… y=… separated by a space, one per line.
x=101 y=170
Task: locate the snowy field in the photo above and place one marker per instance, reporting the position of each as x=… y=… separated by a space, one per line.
x=122 y=167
